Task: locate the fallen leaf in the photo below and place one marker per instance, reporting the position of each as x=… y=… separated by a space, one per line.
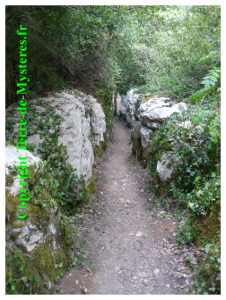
x=183 y=286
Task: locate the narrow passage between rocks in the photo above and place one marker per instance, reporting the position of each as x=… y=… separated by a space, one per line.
x=131 y=247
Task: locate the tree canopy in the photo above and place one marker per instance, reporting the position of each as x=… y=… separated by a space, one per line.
x=95 y=47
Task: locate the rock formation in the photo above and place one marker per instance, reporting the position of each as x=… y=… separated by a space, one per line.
x=83 y=128
x=145 y=122
x=38 y=242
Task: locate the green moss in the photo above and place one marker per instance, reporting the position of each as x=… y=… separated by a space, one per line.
x=97 y=151
x=91 y=188
x=208 y=269
x=137 y=149
x=43 y=258
x=209 y=225
x=159 y=156
x=167 y=145
x=144 y=154
x=41 y=262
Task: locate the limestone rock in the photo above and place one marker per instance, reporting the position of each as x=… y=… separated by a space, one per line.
x=130 y=101
x=122 y=106
x=82 y=129
x=159 y=111
x=145 y=135
x=11 y=157
x=39 y=238
x=122 y=109
x=166 y=166
x=97 y=121
x=11 y=160
x=135 y=130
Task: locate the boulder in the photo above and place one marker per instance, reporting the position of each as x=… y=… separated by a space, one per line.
x=97 y=121
x=153 y=125
x=145 y=136
x=39 y=239
x=166 y=166
x=150 y=115
x=83 y=128
x=159 y=111
x=122 y=106
x=130 y=108
x=124 y=99
x=135 y=130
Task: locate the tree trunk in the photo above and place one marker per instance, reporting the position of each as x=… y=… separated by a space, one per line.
x=115 y=102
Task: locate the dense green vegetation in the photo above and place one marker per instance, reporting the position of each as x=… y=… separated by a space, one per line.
x=98 y=49
x=194 y=191
x=95 y=47
x=91 y=47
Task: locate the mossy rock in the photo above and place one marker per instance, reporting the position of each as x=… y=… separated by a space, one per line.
x=41 y=240
x=91 y=188
x=209 y=226
x=161 y=188
x=144 y=154
x=97 y=151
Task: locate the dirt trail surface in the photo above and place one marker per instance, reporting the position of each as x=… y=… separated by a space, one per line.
x=132 y=248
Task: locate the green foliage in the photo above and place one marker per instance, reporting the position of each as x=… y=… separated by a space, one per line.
x=173 y=50
x=187 y=232
x=70 y=44
x=14 y=260
x=209 y=82
x=105 y=97
x=196 y=184
x=196 y=149
x=208 y=277
x=212 y=54
x=196 y=179
x=137 y=105
x=9 y=127
x=109 y=46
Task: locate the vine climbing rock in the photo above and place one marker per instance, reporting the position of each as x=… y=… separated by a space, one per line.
x=82 y=130
x=36 y=243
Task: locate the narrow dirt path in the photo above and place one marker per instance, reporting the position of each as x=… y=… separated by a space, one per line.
x=131 y=247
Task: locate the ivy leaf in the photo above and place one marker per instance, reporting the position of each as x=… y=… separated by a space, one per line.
x=208 y=247
x=16 y=255
x=42 y=181
x=57 y=278
x=36 y=277
x=21 y=269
